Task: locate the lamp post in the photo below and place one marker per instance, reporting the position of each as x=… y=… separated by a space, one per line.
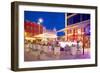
x=83 y=39
x=40 y=21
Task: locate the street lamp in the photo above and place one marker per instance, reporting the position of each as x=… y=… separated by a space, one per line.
x=40 y=20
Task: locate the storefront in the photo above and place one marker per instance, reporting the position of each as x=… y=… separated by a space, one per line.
x=79 y=32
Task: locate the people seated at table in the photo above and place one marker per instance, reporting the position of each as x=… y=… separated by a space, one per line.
x=52 y=49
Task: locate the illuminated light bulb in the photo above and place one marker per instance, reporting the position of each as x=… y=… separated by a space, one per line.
x=40 y=20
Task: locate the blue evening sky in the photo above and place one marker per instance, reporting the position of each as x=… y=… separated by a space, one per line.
x=77 y=18
x=51 y=20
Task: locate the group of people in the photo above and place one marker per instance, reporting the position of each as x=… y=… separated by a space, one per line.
x=49 y=49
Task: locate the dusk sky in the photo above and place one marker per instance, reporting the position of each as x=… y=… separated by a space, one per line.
x=77 y=18
x=51 y=20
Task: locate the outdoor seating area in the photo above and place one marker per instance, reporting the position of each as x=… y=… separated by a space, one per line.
x=54 y=50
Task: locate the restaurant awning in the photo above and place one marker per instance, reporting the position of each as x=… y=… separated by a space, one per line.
x=46 y=35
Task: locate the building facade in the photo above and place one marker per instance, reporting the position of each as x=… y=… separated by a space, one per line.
x=32 y=28
x=78 y=28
